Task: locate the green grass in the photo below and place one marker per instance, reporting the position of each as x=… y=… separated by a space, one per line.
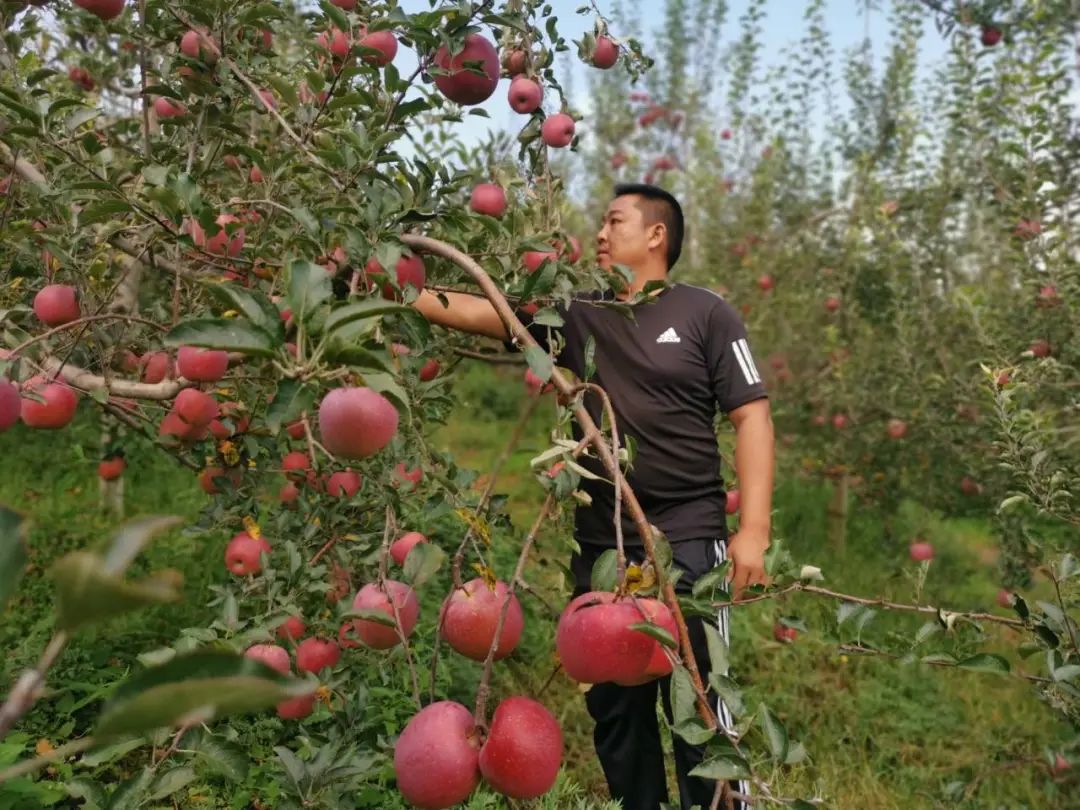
x=878 y=734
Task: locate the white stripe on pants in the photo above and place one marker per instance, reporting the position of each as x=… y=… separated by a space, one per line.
x=722 y=711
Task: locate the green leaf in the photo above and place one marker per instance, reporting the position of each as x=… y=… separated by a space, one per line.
x=171 y=781
x=228 y=334
x=986 y=662
x=104 y=210
x=291 y=399
x=196 y=687
x=657 y=632
x=422 y=563
x=694 y=732
x=218 y=755
x=775 y=734
x=12 y=552
x=372 y=614
x=368 y=308
x=729 y=692
x=337 y=351
x=683 y=698
x=707 y=583
x=718 y=649
x=132 y=538
x=309 y=289
x=539 y=361
x=721 y=769
x=86 y=591
x=1067 y=673
x=604 y=570
x=255 y=306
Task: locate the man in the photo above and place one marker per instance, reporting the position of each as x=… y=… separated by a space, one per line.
x=667 y=372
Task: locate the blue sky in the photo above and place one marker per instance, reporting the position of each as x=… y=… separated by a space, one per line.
x=782 y=26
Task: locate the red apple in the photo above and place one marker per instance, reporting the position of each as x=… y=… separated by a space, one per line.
x=243 y=553
x=784 y=634
x=461 y=83
x=195 y=407
x=401 y=547
x=605 y=54
x=731 y=501
x=272 y=655
x=296 y=708
x=296 y=465
x=521 y=756
x=288 y=494
x=57 y=304
x=10 y=404
x=172 y=425
x=80 y=77
x=896 y=428
x=839 y=421
x=430 y=370
x=315 y=654
x=347 y=5
x=1040 y=348
x=557 y=130
x=407 y=479
x=532 y=259
x=1047 y=297
x=969 y=486
x=515 y=61
x=595 y=642
x=295 y=429
x=292 y=628
x=212 y=478
x=168 y=108
x=111 y=468
x=921 y=550
x=469 y=617
x=408 y=270
x=382 y=41
x=343 y=484
x=156 y=367
x=435 y=758
x=990 y=35
x=488 y=198
x=201 y=365
x=371 y=597
x=525 y=95
x=725 y=134
x=55 y=411
x=765 y=282
x=103 y=9
x=1005 y=598
x=659 y=664
x=356 y=422
x=832 y=303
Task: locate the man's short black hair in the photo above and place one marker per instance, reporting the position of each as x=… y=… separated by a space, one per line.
x=659 y=206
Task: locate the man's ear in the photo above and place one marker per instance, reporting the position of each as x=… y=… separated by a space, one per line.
x=657 y=235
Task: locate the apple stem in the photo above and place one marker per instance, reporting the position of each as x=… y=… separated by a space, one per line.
x=484 y=689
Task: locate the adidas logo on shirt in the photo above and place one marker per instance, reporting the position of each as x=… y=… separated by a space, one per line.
x=669 y=336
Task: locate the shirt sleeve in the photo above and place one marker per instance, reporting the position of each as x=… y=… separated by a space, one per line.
x=734 y=375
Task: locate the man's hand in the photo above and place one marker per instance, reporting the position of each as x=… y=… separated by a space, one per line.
x=746 y=550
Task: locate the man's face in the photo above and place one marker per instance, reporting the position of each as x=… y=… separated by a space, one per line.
x=624 y=237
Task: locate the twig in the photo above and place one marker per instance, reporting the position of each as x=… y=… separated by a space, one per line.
x=388 y=532
x=484 y=688
x=84 y=320
x=81 y=378
x=28 y=766
x=25 y=691
x=497 y=359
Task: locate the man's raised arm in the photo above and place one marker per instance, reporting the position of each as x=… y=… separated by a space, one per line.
x=466 y=313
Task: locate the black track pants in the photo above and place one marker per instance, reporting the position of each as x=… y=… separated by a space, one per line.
x=627 y=734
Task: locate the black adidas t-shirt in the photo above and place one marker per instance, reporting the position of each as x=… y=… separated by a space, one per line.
x=666 y=372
